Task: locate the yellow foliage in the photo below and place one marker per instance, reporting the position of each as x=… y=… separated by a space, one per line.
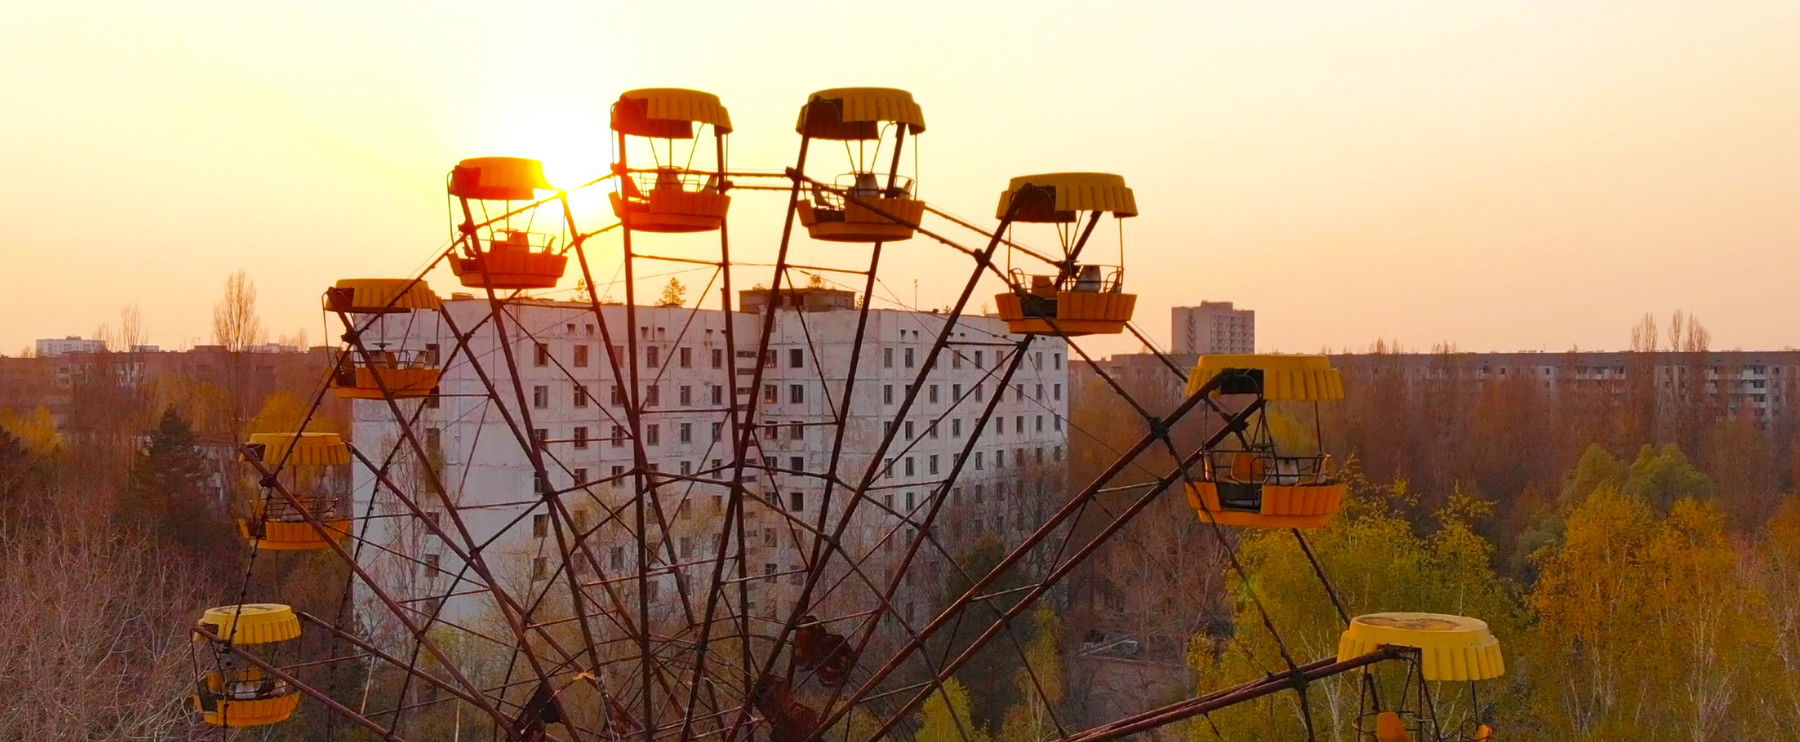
x=1647 y=624
x=36 y=430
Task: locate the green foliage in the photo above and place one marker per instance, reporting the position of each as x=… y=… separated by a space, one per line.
x=1378 y=561
x=1597 y=468
x=1662 y=477
x=166 y=489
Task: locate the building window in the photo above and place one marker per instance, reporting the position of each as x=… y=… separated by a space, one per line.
x=685 y=356
x=718 y=358
x=581 y=436
x=887 y=357
x=652 y=434
x=580 y=396
x=771 y=394
x=581 y=355
x=685 y=396
x=540 y=396
x=956 y=427
x=887 y=393
x=908 y=462
x=618 y=394
x=618 y=436
x=540 y=525
x=931 y=467
x=651 y=396
x=430 y=567
x=909 y=356
x=652 y=356
x=797 y=463
x=540 y=568
x=1056 y=392
x=686 y=434
x=716 y=427
x=796 y=358
x=796 y=394
x=542 y=356
x=797 y=502
x=796 y=430
x=978 y=359
x=931 y=395
x=718 y=394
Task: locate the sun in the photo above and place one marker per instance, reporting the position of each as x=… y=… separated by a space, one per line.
x=573 y=145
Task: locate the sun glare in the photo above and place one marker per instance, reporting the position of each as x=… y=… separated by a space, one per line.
x=574 y=149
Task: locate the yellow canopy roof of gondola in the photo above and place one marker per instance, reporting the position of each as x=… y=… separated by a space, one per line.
x=365 y=295
x=498 y=178
x=678 y=106
x=1451 y=648
x=1073 y=192
x=253 y=623
x=1302 y=378
x=307 y=449
x=853 y=113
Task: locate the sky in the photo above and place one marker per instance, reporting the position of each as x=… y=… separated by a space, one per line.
x=1498 y=175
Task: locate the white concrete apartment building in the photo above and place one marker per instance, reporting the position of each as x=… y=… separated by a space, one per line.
x=1214 y=327
x=686 y=381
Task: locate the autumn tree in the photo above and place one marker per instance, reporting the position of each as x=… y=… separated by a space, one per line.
x=1378 y=561
x=946 y=716
x=1646 y=629
x=235 y=322
x=673 y=295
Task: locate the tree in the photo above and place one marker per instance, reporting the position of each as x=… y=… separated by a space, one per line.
x=1377 y=561
x=945 y=715
x=673 y=295
x=1646 y=629
x=95 y=624
x=235 y=322
x=1662 y=477
x=1597 y=468
x=166 y=489
x=1040 y=683
x=1643 y=336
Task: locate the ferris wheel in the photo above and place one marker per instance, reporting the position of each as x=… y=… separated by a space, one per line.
x=745 y=515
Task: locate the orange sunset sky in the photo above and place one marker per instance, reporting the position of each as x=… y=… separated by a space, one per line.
x=1505 y=175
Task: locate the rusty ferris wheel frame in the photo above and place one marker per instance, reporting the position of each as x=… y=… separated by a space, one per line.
x=694 y=688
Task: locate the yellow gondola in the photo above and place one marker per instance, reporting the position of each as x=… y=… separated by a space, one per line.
x=315 y=465
x=670 y=197
x=1080 y=298
x=883 y=207
x=1441 y=648
x=492 y=253
x=1247 y=481
x=236 y=694
x=403 y=372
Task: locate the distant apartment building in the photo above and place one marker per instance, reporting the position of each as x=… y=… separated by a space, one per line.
x=59 y=347
x=1214 y=327
x=688 y=382
x=56 y=380
x=1761 y=385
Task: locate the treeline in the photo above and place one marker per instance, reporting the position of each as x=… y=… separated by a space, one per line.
x=117 y=528
x=1644 y=616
